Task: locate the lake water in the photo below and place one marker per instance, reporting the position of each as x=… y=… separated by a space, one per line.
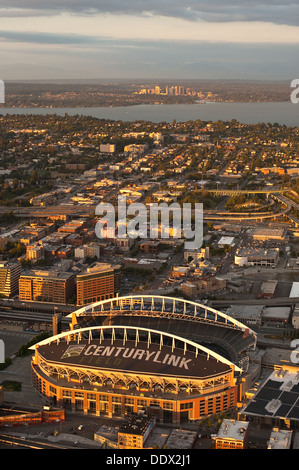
x=248 y=113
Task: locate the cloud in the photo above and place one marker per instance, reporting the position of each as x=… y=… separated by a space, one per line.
x=273 y=11
x=149 y=38
x=49 y=38
x=67 y=56
x=146 y=33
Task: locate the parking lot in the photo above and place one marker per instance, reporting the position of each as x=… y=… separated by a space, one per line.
x=13 y=340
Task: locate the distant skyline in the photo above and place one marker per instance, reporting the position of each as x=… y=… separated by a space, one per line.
x=68 y=39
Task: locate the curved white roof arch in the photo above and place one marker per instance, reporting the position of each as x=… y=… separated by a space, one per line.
x=117 y=303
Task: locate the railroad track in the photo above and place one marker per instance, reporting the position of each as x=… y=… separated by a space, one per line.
x=24 y=316
x=25 y=443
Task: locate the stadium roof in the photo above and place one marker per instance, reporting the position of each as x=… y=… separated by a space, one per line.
x=129 y=358
x=134 y=350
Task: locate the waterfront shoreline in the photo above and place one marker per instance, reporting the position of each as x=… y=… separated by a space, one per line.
x=284 y=113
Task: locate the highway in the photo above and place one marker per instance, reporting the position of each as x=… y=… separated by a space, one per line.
x=282 y=301
x=62 y=210
x=233 y=192
x=237 y=217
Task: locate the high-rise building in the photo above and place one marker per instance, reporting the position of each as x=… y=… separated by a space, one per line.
x=99 y=282
x=9 y=278
x=47 y=286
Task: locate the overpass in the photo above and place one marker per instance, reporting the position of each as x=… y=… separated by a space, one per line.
x=234 y=192
x=289 y=203
x=258 y=217
x=281 y=301
x=62 y=211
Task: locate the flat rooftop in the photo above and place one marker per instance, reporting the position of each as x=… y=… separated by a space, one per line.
x=232 y=429
x=269 y=233
x=294 y=290
x=280 y=439
x=258 y=252
x=181 y=439
x=278 y=397
x=48 y=274
x=135 y=424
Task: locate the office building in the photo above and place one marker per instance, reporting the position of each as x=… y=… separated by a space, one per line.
x=47 y=286
x=268 y=234
x=90 y=250
x=99 y=282
x=9 y=278
x=134 y=432
x=35 y=252
x=107 y=148
x=232 y=434
x=266 y=258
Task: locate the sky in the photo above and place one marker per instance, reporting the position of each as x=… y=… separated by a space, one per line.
x=178 y=39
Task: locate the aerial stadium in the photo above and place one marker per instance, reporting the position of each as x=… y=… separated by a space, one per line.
x=170 y=358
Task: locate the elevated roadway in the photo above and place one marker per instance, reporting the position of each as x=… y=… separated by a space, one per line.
x=289 y=203
x=281 y=301
x=258 y=217
x=234 y=192
x=63 y=211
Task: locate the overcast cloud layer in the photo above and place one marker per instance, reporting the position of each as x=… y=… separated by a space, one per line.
x=146 y=39
x=276 y=11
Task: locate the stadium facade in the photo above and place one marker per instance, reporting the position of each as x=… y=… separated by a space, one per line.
x=172 y=359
